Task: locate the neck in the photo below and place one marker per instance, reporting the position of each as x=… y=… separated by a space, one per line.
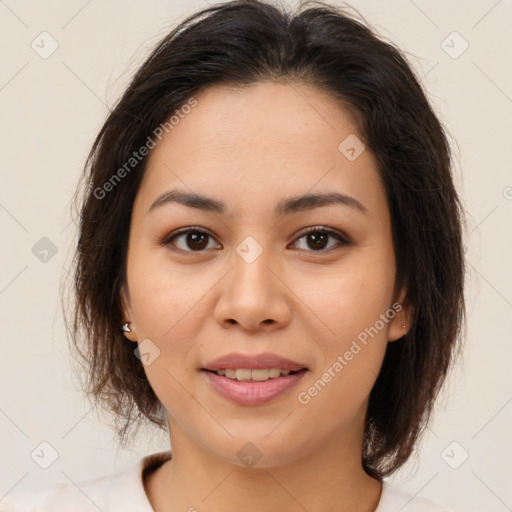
x=331 y=478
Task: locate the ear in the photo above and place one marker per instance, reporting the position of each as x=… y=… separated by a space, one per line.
x=128 y=314
x=401 y=323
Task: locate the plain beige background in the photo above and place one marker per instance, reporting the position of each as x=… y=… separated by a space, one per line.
x=51 y=109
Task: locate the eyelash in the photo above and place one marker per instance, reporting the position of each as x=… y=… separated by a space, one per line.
x=343 y=239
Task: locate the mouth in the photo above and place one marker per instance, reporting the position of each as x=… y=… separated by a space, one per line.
x=252 y=387
x=252 y=379
x=253 y=374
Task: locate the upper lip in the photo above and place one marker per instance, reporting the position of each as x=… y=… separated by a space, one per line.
x=253 y=361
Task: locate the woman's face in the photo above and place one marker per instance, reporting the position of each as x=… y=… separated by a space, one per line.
x=248 y=279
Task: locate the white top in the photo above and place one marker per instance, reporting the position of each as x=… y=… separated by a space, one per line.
x=124 y=492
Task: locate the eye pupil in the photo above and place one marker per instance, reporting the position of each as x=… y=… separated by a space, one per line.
x=195 y=237
x=318 y=239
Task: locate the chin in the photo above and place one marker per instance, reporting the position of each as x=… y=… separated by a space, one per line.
x=257 y=451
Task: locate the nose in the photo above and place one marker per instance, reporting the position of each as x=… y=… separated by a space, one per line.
x=253 y=295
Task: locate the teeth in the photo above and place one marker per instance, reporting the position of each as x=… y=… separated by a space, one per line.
x=245 y=374
x=231 y=374
x=258 y=374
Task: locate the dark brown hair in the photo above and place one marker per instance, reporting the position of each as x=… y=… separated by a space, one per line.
x=245 y=42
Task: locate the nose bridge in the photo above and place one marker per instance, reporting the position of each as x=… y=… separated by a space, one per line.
x=252 y=293
x=251 y=266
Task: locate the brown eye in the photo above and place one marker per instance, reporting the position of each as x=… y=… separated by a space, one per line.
x=317 y=238
x=191 y=240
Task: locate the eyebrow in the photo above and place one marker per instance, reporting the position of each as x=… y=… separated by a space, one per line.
x=285 y=207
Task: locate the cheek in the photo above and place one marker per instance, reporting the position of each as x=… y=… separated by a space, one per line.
x=166 y=311
x=165 y=297
x=352 y=297
x=353 y=305
x=350 y=354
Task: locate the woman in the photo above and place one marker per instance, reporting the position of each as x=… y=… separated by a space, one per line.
x=270 y=264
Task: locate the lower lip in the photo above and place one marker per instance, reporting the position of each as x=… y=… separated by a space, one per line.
x=253 y=392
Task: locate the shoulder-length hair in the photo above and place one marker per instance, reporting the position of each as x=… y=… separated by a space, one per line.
x=245 y=42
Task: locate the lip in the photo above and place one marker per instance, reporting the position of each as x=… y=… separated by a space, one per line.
x=254 y=362
x=253 y=392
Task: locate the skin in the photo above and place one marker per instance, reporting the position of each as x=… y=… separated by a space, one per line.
x=251 y=148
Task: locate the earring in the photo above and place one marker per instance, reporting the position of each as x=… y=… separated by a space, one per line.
x=126 y=327
x=404 y=326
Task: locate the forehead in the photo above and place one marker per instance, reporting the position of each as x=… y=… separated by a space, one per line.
x=275 y=115
x=262 y=141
